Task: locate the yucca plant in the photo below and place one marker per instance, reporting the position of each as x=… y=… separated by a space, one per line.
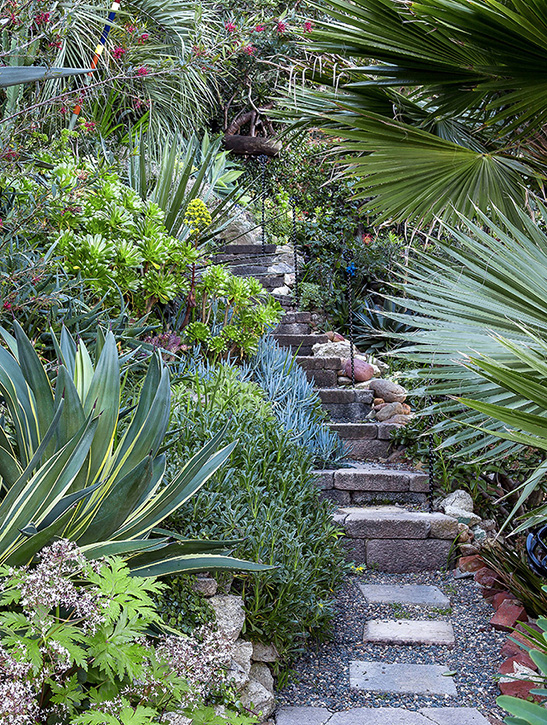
x=68 y=470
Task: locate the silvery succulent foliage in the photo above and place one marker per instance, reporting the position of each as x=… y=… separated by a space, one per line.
x=67 y=469
x=295 y=402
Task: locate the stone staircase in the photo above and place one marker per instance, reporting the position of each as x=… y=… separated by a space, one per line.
x=377 y=501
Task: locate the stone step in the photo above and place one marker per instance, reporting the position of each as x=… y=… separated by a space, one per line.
x=247 y=249
x=365 y=440
x=301 y=343
x=369 y=483
x=347 y=405
x=292 y=328
x=393 y=539
x=414 y=594
x=414 y=679
x=409 y=631
x=294 y=316
x=321 y=371
x=307 y=715
x=236 y=260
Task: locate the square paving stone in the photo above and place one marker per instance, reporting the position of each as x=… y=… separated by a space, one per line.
x=378 y=716
x=424 y=594
x=302 y=716
x=454 y=716
x=404 y=678
x=409 y=631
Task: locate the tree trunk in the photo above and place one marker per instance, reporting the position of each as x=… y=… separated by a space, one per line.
x=252 y=145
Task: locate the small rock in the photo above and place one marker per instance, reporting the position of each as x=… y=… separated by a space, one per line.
x=261 y=673
x=289 y=279
x=489 y=525
x=341 y=349
x=463 y=516
x=522 y=658
x=507 y=615
x=362 y=370
x=342 y=380
x=468 y=550
x=465 y=533
x=519 y=688
x=240 y=665
x=229 y=614
x=378 y=401
x=362 y=386
x=205 y=585
x=400 y=419
x=406 y=409
x=459 y=499
x=486 y=577
x=388 y=410
x=389 y=391
x=283 y=291
x=470 y=563
x=500 y=597
x=264 y=652
x=257 y=698
x=479 y=533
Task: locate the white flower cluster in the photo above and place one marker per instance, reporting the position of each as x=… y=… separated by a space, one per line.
x=201 y=659
x=48 y=585
x=18 y=704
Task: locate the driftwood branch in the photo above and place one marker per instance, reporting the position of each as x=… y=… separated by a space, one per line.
x=252 y=145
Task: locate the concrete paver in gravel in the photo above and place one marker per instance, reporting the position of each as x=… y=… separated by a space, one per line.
x=377 y=716
x=302 y=716
x=399 y=678
x=409 y=631
x=405 y=594
x=380 y=716
x=454 y=716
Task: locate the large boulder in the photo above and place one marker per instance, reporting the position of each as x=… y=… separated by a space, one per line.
x=390 y=392
x=229 y=614
x=341 y=349
x=389 y=410
x=257 y=698
x=363 y=370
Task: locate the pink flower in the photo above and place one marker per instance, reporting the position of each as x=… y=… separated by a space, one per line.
x=281 y=26
x=62 y=110
x=260 y=28
x=230 y=27
x=89 y=125
x=308 y=26
x=118 y=52
x=7 y=305
x=249 y=49
x=130 y=28
x=55 y=43
x=143 y=71
x=144 y=37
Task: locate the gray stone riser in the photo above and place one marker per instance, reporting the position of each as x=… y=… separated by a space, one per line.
x=239 y=250
x=292 y=328
x=394 y=540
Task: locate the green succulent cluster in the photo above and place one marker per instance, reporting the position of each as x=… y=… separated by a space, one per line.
x=114 y=239
x=231 y=314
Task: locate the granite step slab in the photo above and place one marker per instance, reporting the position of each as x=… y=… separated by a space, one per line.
x=370 y=676
x=409 y=631
x=420 y=594
x=380 y=716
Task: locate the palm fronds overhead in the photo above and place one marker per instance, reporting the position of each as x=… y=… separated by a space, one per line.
x=439 y=107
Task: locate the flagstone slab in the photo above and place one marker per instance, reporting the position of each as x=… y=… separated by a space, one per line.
x=378 y=716
x=409 y=631
x=428 y=596
x=400 y=677
x=302 y=716
x=454 y=716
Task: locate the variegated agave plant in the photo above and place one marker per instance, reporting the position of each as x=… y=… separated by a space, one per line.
x=66 y=470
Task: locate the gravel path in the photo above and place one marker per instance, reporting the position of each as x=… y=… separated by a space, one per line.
x=321 y=675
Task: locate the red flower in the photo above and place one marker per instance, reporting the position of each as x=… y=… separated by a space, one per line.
x=281 y=26
x=144 y=37
x=7 y=305
x=308 y=26
x=130 y=28
x=42 y=18
x=143 y=71
x=118 y=52
x=62 y=110
x=55 y=43
x=249 y=49
x=367 y=238
x=89 y=125
x=260 y=28
x=230 y=27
